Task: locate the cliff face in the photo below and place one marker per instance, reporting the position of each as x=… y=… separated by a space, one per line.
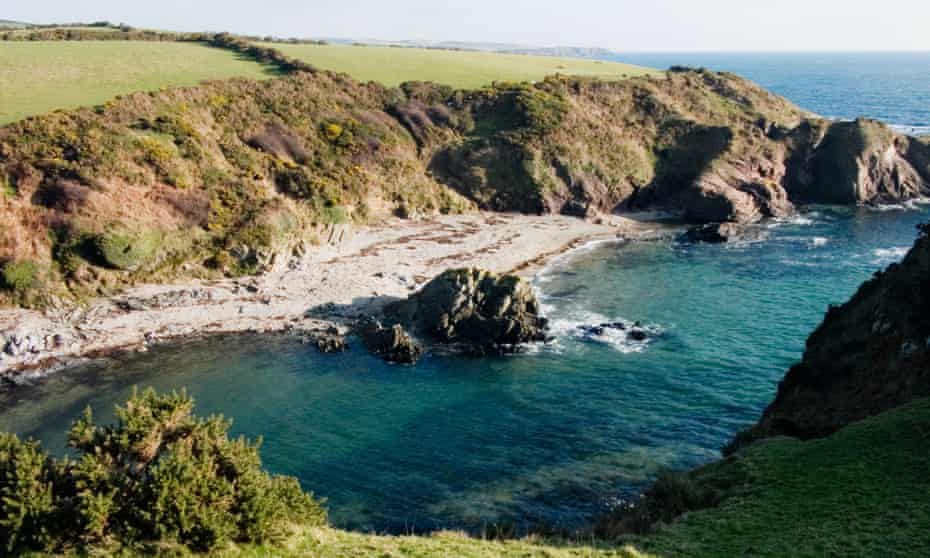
x=219 y=179
x=869 y=355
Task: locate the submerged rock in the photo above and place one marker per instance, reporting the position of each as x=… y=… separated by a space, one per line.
x=390 y=343
x=481 y=311
x=635 y=332
x=330 y=340
x=714 y=233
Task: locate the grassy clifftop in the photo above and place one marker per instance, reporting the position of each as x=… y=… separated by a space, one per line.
x=39 y=77
x=460 y=69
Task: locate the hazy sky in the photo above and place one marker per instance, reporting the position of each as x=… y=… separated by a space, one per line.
x=623 y=25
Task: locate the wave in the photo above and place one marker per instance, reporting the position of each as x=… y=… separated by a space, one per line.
x=818 y=241
x=586 y=326
x=911 y=130
x=914 y=204
x=889 y=255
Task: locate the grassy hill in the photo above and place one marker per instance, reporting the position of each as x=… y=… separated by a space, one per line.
x=41 y=77
x=461 y=69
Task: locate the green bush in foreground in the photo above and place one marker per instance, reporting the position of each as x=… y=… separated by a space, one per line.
x=159 y=474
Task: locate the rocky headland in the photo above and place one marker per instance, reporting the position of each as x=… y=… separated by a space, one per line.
x=868 y=356
x=244 y=197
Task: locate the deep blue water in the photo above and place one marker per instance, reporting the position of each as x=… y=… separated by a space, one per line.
x=893 y=87
x=553 y=435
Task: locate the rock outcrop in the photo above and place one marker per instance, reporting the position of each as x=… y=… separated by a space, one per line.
x=477 y=310
x=869 y=355
x=390 y=343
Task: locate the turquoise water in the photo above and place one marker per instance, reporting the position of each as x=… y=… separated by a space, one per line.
x=889 y=86
x=550 y=436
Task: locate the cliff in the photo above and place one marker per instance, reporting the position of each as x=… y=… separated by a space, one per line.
x=220 y=179
x=869 y=355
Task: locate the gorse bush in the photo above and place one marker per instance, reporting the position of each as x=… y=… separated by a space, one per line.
x=159 y=474
x=19 y=276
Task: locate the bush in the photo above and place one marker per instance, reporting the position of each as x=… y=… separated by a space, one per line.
x=26 y=499
x=159 y=474
x=19 y=276
x=126 y=251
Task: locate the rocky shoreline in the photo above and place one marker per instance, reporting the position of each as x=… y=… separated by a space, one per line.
x=316 y=296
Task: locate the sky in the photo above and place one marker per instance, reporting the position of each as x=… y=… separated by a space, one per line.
x=620 y=25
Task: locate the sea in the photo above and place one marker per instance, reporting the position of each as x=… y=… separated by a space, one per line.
x=559 y=433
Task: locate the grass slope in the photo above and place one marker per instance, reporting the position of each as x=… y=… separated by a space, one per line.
x=865 y=491
x=461 y=69
x=333 y=543
x=40 y=77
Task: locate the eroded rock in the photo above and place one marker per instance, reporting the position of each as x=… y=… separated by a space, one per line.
x=391 y=343
x=480 y=311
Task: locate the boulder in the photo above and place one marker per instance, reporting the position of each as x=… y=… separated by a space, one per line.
x=481 y=311
x=390 y=343
x=329 y=340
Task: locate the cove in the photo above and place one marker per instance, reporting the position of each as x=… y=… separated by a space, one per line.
x=551 y=436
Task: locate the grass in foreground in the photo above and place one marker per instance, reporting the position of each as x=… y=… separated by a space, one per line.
x=40 y=77
x=865 y=491
x=460 y=69
x=332 y=543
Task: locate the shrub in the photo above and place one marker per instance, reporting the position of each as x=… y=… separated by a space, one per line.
x=7 y=186
x=26 y=499
x=126 y=251
x=19 y=276
x=542 y=111
x=159 y=474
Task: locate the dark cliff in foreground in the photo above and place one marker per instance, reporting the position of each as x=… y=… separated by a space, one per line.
x=218 y=179
x=869 y=355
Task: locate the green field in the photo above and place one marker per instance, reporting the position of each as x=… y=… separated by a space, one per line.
x=40 y=77
x=462 y=69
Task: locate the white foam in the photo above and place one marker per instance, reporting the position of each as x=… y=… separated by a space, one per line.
x=569 y=328
x=888 y=255
x=907 y=205
x=818 y=241
x=910 y=130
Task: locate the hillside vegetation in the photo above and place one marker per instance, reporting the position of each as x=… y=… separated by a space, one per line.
x=220 y=178
x=230 y=177
x=40 y=77
x=460 y=69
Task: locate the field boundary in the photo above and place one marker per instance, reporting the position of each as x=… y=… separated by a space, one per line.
x=104 y=31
